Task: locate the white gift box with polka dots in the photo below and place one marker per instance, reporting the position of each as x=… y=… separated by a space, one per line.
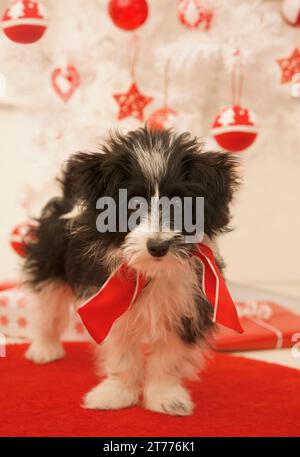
x=15 y=321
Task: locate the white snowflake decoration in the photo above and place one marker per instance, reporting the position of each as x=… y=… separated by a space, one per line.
x=16 y=11
x=227 y=117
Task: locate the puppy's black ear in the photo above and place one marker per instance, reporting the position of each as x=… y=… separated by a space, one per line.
x=84 y=176
x=216 y=172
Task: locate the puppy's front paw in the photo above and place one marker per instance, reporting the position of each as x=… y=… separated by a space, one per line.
x=174 y=400
x=110 y=394
x=44 y=352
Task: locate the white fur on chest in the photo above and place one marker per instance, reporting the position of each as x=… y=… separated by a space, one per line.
x=162 y=304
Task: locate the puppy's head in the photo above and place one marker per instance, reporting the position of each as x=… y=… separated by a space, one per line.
x=120 y=193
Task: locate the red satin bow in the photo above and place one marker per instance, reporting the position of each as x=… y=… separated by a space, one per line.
x=124 y=286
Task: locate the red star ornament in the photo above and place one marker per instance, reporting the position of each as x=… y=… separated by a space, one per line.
x=132 y=103
x=289 y=66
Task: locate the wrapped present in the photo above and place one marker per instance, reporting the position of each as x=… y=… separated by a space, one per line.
x=266 y=324
x=15 y=310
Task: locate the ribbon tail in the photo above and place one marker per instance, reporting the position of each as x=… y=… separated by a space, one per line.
x=216 y=291
x=226 y=313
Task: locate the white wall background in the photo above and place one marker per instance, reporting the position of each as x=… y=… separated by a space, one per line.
x=264 y=247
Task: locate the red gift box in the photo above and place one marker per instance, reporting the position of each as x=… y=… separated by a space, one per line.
x=267 y=325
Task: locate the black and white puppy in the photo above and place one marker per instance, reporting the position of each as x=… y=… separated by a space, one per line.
x=70 y=260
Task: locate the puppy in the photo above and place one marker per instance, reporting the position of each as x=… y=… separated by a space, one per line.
x=70 y=260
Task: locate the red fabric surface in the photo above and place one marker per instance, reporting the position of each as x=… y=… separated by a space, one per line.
x=237 y=397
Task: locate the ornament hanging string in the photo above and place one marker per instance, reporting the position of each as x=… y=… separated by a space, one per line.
x=237 y=79
x=133 y=55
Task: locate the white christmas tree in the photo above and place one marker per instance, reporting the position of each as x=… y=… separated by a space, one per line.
x=82 y=35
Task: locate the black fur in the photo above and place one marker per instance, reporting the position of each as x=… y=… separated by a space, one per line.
x=63 y=248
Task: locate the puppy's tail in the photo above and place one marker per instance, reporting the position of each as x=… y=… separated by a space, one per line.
x=45 y=254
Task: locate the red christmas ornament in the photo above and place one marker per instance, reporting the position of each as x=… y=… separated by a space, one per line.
x=192 y=14
x=65 y=81
x=234 y=128
x=128 y=14
x=162 y=119
x=289 y=66
x=132 y=103
x=21 y=236
x=24 y=21
x=291 y=12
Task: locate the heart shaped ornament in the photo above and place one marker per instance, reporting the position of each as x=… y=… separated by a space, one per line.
x=65 y=81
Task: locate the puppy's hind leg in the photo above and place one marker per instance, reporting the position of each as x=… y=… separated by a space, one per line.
x=50 y=315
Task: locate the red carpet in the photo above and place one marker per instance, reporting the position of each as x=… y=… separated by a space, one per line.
x=237 y=397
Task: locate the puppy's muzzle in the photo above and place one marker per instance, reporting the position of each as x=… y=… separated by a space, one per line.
x=158 y=248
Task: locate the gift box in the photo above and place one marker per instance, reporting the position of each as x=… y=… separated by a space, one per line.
x=266 y=324
x=15 y=310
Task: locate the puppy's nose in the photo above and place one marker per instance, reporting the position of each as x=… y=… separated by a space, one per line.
x=158 y=248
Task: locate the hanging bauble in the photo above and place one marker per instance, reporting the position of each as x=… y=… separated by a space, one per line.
x=65 y=81
x=21 y=236
x=193 y=14
x=290 y=66
x=235 y=128
x=162 y=119
x=128 y=14
x=24 y=21
x=291 y=12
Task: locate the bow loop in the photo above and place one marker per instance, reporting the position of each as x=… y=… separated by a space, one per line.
x=125 y=285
